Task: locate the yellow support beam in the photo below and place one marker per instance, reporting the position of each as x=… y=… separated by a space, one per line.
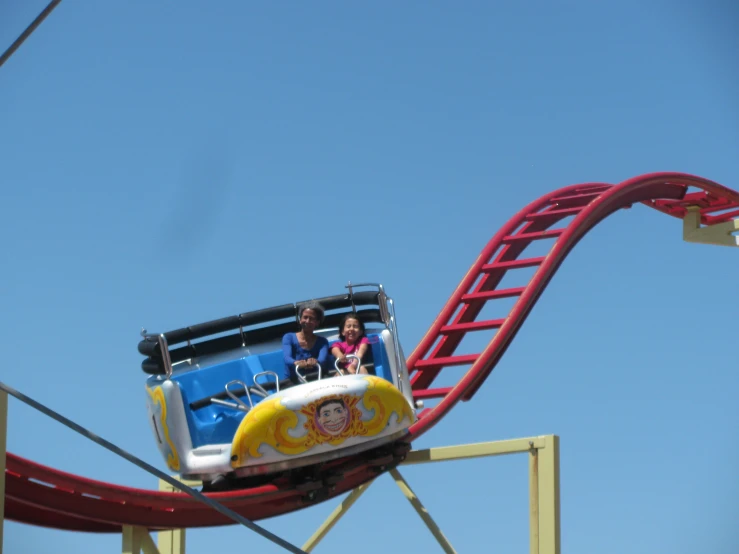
x=720 y=234
x=131 y=538
x=137 y=540
x=172 y=542
x=422 y=512
x=475 y=450
x=544 y=499
x=548 y=493
x=335 y=516
x=533 y=500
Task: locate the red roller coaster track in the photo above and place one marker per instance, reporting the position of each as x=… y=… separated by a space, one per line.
x=43 y=496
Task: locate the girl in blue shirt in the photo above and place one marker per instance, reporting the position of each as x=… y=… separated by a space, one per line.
x=304 y=349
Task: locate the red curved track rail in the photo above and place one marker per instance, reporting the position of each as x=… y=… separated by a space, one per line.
x=39 y=495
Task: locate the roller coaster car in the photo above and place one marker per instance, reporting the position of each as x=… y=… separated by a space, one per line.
x=218 y=407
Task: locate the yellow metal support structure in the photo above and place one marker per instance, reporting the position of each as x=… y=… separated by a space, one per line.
x=422 y=512
x=137 y=540
x=131 y=540
x=335 y=516
x=544 y=501
x=720 y=234
x=172 y=542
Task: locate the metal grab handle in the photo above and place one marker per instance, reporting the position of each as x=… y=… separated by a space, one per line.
x=228 y=404
x=239 y=403
x=396 y=340
x=261 y=389
x=163 y=348
x=359 y=362
x=300 y=376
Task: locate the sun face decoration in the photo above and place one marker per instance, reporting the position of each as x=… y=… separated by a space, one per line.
x=333 y=419
x=327 y=421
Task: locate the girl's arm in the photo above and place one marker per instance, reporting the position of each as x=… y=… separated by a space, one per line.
x=287 y=349
x=363 y=346
x=337 y=353
x=362 y=349
x=323 y=354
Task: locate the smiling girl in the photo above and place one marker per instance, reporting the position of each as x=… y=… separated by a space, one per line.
x=353 y=341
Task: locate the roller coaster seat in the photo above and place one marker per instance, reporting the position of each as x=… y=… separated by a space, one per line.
x=211 y=423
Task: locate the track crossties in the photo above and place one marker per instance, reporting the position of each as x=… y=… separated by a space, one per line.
x=484 y=313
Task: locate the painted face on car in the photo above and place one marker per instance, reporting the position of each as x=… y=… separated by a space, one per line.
x=333 y=417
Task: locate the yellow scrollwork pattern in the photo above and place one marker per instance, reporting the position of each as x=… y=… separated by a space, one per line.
x=272 y=423
x=157 y=397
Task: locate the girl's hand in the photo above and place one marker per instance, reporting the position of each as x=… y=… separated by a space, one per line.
x=342 y=358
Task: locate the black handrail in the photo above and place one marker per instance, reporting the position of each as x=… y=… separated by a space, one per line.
x=276 y=313
x=153 y=364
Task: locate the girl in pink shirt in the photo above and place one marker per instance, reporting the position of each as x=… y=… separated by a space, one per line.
x=353 y=341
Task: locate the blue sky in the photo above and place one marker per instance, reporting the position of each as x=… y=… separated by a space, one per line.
x=165 y=164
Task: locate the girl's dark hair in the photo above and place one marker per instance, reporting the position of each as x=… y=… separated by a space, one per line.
x=315 y=306
x=352 y=315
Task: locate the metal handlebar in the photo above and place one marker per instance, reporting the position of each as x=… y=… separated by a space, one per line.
x=239 y=403
x=261 y=389
x=336 y=363
x=394 y=330
x=303 y=379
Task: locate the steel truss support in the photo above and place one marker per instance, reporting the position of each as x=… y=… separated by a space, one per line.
x=137 y=540
x=172 y=542
x=720 y=234
x=544 y=501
